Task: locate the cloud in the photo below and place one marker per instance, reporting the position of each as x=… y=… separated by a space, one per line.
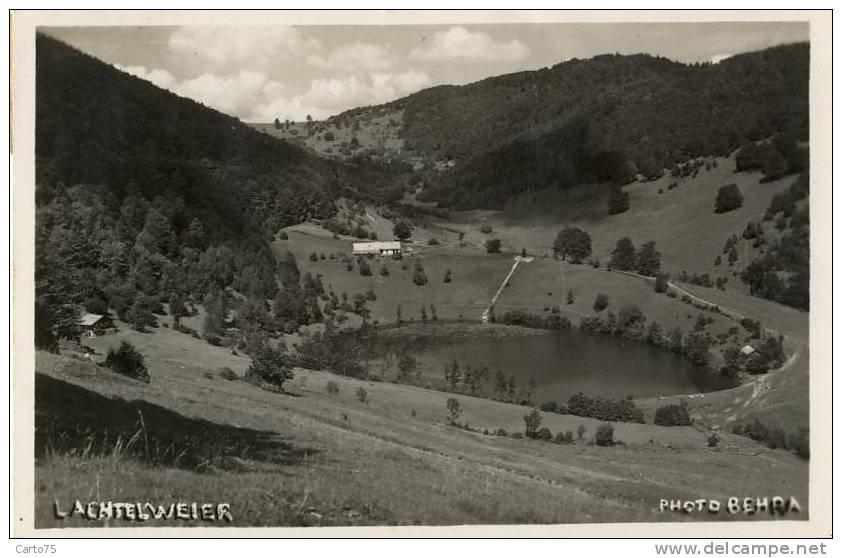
x=457 y=43
x=235 y=48
x=238 y=73
x=717 y=58
x=328 y=96
x=161 y=78
x=353 y=56
x=236 y=94
x=254 y=97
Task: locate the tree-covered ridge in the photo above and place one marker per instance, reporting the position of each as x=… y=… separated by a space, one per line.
x=143 y=196
x=584 y=119
x=97 y=125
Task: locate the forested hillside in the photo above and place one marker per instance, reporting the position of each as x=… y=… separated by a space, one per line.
x=587 y=119
x=143 y=195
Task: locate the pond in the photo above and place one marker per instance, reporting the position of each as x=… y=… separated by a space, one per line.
x=563 y=363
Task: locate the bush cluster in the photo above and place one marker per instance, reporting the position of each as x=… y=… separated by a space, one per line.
x=672 y=415
x=773 y=437
x=612 y=410
x=521 y=318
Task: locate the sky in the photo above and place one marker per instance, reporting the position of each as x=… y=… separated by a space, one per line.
x=260 y=73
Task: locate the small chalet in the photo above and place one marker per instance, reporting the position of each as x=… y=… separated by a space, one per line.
x=747 y=350
x=377 y=248
x=94 y=324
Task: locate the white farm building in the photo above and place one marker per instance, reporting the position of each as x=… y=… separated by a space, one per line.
x=377 y=248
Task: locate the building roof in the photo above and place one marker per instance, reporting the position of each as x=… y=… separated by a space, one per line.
x=747 y=350
x=90 y=319
x=383 y=245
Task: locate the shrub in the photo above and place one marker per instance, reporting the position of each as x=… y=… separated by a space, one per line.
x=533 y=422
x=713 y=440
x=448 y=276
x=128 y=361
x=619 y=410
x=661 y=284
x=332 y=387
x=728 y=198
x=433 y=242
x=213 y=339
x=563 y=437
x=752 y=326
x=454 y=410
x=314 y=257
x=362 y=395
x=600 y=303
x=618 y=201
x=227 y=374
x=384 y=270
x=672 y=415
x=492 y=245
x=800 y=443
x=543 y=434
x=549 y=407
x=365 y=269
x=418 y=276
x=485 y=229
x=580 y=432
x=283 y=235
x=771 y=436
x=519 y=317
x=140 y=316
x=268 y=364
x=501 y=432
x=604 y=435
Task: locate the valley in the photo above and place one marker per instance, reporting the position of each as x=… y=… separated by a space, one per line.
x=558 y=239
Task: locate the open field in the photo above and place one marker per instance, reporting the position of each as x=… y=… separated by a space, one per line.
x=316 y=459
x=476 y=277
x=535 y=287
x=681 y=220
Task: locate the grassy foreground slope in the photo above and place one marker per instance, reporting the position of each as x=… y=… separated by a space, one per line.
x=310 y=458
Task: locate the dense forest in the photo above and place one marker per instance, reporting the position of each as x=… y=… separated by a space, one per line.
x=586 y=119
x=143 y=196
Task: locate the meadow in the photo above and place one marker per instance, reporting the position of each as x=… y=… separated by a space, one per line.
x=308 y=457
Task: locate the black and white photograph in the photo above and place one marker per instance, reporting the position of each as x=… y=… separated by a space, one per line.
x=415 y=269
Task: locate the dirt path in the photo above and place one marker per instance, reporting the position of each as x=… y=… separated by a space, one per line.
x=487 y=312
x=759 y=385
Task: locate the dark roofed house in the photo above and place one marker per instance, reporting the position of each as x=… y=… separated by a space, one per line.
x=94 y=324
